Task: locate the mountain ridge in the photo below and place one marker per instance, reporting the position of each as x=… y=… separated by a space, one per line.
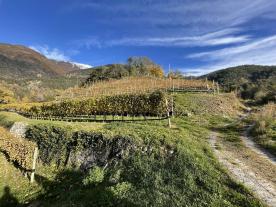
x=18 y=61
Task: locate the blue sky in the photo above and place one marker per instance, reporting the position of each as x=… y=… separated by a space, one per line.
x=195 y=36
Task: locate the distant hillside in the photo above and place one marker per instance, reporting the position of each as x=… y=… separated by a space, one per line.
x=84 y=73
x=32 y=76
x=21 y=62
x=251 y=81
x=71 y=66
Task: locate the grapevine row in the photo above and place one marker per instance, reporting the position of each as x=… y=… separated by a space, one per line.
x=17 y=150
x=133 y=85
x=152 y=104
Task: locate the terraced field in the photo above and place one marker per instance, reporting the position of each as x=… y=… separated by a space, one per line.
x=137 y=162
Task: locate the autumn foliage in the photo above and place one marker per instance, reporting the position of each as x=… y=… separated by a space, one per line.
x=18 y=150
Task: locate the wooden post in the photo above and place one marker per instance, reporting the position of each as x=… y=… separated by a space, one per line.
x=218 y=88
x=214 y=89
x=34 y=163
x=168 y=114
x=172 y=109
x=173 y=85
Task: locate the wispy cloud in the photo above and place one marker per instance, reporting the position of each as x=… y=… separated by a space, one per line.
x=53 y=53
x=222 y=37
x=195 y=16
x=174 y=22
x=260 y=52
x=236 y=26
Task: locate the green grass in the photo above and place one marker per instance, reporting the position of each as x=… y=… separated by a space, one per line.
x=7 y=119
x=232 y=132
x=267 y=140
x=264 y=127
x=12 y=179
x=175 y=168
x=200 y=104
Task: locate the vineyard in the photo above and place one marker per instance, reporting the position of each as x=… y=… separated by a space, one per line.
x=19 y=107
x=19 y=151
x=136 y=85
x=154 y=104
x=131 y=98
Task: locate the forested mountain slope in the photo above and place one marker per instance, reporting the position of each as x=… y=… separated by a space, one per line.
x=251 y=81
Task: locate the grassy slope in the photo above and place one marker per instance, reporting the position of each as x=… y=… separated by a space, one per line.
x=8 y=118
x=191 y=177
x=12 y=178
x=198 y=104
x=264 y=127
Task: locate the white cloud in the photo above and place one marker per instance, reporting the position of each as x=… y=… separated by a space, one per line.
x=222 y=37
x=88 y=42
x=258 y=52
x=81 y=65
x=54 y=53
x=190 y=23
x=173 y=22
x=198 y=16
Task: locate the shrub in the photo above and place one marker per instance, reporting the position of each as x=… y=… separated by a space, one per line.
x=120 y=190
x=94 y=177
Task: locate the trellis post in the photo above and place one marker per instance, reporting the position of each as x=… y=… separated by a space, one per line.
x=214 y=88
x=34 y=164
x=218 y=88
x=172 y=109
x=168 y=114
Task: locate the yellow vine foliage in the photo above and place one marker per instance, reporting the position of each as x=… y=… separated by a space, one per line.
x=133 y=85
x=17 y=149
x=19 y=107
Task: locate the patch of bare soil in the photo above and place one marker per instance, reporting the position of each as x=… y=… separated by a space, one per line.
x=247 y=166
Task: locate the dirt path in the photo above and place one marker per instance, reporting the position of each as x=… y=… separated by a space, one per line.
x=253 y=146
x=249 y=168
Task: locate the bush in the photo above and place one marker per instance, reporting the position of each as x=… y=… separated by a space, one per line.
x=94 y=177
x=120 y=190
